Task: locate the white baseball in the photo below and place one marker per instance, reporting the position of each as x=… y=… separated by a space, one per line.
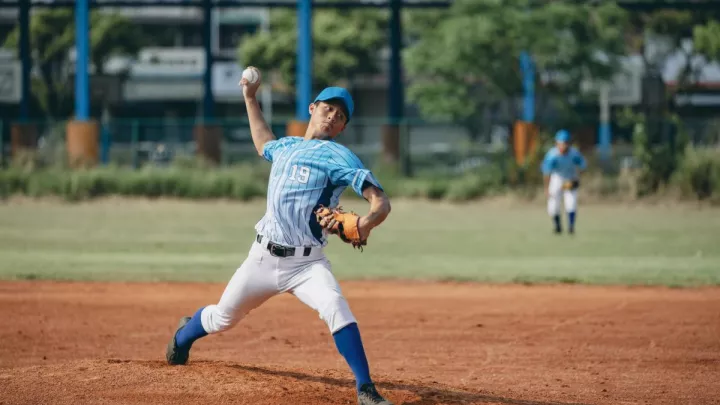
x=251 y=75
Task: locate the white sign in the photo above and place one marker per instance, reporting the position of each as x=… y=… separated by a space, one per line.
x=7 y=55
x=626 y=86
x=225 y=79
x=171 y=55
x=162 y=90
x=698 y=99
x=252 y=15
x=169 y=62
x=10 y=82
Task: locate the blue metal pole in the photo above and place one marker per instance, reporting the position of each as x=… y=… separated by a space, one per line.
x=209 y=99
x=528 y=72
x=396 y=97
x=25 y=60
x=82 y=45
x=604 y=141
x=303 y=95
x=604 y=130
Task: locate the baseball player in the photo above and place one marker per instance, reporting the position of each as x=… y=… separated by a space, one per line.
x=307 y=177
x=561 y=169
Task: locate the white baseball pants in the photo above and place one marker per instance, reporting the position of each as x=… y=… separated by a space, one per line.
x=556 y=193
x=262 y=276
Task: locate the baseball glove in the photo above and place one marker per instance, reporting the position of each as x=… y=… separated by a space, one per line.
x=571 y=185
x=345 y=225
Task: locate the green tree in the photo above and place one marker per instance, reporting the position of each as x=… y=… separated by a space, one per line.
x=345 y=45
x=469 y=61
x=52 y=36
x=706 y=39
x=658 y=35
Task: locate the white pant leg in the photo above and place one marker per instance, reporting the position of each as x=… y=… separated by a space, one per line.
x=252 y=284
x=555 y=194
x=570 y=200
x=317 y=288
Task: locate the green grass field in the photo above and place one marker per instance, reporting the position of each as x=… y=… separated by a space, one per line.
x=493 y=241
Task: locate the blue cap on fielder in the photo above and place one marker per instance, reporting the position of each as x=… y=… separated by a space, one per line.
x=331 y=93
x=562 y=136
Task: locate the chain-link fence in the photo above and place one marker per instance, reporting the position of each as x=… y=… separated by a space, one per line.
x=424 y=147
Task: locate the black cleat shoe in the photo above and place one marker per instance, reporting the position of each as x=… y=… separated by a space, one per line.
x=368 y=395
x=174 y=355
x=571 y=231
x=557 y=231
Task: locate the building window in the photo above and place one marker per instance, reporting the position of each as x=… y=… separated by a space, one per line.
x=159 y=35
x=231 y=35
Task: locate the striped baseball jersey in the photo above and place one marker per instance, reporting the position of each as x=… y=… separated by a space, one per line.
x=306 y=174
x=563 y=165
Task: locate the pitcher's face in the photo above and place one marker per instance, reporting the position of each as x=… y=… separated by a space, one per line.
x=562 y=147
x=328 y=117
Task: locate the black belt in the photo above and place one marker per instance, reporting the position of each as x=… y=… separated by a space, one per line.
x=280 y=250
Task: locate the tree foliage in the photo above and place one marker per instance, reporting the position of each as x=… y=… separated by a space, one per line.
x=346 y=44
x=52 y=36
x=579 y=41
x=469 y=60
x=707 y=40
x=662 y=34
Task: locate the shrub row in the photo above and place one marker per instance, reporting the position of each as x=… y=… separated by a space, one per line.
x=239 y=184
x=698 y=177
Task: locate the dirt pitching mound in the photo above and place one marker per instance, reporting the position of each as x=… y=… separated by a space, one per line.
x=117 y=381
x=427 y=343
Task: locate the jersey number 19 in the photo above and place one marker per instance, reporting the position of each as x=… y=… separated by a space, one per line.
x=302 y=175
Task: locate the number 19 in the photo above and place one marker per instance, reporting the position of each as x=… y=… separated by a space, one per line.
x=303 y=176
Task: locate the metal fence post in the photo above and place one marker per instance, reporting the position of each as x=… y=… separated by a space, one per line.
x=405 y=160
x=105 y=137
x=224 y=155
x=134 y=137
x=2 y=143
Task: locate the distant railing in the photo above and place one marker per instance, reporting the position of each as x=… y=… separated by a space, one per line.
x=136 y=142
x=424 y=146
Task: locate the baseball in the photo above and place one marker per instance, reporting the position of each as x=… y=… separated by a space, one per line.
x=251 y=75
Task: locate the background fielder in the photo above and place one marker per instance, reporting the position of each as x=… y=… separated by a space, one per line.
x=287 y=255
x=561 y=170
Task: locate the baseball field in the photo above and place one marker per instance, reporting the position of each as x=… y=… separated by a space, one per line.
x=458 y=304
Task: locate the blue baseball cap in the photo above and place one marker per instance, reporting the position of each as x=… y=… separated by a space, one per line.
x=562 y=136
x=337 y=93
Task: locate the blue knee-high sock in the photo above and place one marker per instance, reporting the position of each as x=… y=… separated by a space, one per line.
x=556 y=219
x=571 y=219
x=191 y=332
x=351 y=348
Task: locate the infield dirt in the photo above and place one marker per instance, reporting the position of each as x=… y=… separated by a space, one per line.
x=428 y=343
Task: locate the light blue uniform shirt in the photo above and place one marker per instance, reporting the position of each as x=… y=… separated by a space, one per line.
x=306 y=174
x=564 y=166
